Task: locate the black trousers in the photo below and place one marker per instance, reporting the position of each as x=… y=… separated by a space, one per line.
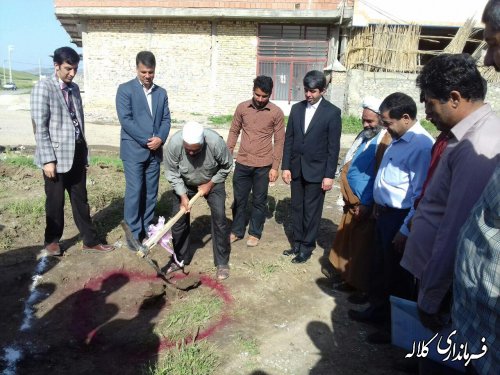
x=246 y=179
x=216 y=200
x=74 y=182
x=307 y=208
x=387 y=276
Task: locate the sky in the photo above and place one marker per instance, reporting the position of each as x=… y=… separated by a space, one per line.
x=34 y=31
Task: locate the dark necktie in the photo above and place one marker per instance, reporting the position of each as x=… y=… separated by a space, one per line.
x=72 y=113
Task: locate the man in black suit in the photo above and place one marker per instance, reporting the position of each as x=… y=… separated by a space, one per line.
x=310 y=155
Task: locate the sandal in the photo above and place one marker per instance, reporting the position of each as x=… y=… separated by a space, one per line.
x=222 y=272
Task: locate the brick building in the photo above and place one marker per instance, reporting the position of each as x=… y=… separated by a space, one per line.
x=207 y=52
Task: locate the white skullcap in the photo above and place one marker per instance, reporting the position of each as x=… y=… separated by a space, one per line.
x=371 y=103
x=192 y=133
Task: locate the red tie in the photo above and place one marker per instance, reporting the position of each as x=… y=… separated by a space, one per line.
x=437 y=151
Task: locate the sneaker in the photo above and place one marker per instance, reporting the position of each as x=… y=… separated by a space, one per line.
x=53 y=249
x=252 y=241
x=99 y=248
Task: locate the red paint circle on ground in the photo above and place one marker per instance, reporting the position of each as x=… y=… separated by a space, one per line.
x=219 y=289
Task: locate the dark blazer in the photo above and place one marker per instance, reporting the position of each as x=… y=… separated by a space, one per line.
x=313 y=154
x=138 y=125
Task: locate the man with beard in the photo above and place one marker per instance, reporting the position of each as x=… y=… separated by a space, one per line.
x=197 y=160
x=397 y=184
x=352 y=248
x=259 y=122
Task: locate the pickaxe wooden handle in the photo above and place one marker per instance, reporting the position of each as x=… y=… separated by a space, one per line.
x=169 y=224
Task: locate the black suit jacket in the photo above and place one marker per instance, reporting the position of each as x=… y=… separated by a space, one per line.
x=313 y=154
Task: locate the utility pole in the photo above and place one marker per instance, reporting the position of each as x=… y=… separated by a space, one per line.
x=10 y=48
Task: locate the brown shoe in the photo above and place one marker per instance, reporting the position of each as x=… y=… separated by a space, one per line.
x=222 y=272
x=252 y=241
x=53 y=249
x=233 y=238
x=100 y=248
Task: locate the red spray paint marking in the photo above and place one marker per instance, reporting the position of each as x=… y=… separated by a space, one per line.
x=220 y=290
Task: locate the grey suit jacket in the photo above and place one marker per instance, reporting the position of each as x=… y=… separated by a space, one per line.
x=52 y=124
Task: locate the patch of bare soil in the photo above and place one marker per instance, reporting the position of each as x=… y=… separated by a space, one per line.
x=92 y=314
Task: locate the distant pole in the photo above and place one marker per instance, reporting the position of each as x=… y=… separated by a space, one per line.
x=10 y=48
x=39 y=70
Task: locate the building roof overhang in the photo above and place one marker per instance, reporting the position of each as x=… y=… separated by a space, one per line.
x=73 y=19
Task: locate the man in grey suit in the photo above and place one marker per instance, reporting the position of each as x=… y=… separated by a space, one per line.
x=312 y=145
x=144 y=116
x=61 y=151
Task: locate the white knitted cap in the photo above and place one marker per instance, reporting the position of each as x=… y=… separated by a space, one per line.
x=192 y=133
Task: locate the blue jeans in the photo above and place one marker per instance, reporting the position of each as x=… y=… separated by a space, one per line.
x=245 y=179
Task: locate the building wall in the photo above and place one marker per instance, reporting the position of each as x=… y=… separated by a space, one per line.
x=205 y=67
x=262 y=4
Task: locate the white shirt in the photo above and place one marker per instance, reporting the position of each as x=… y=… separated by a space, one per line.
x=148 y=96
x=403 y=171
x=310 y=111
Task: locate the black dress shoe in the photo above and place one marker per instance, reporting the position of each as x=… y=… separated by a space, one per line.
x=369 y=315
x=292 y=251
x=301 y=258
x=344 y=287
x=358 y=298
x=379 y=337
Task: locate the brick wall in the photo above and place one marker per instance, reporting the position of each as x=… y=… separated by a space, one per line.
x=262 y=4
x=203 y=73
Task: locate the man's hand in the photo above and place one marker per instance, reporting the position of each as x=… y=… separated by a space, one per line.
x=361 y=212
x=286 y=176
x=399 y=242
x=273 y=175
x=50 y=170
x=185 y=202
x=327 y=184
x=154 y=143
x=206 y=188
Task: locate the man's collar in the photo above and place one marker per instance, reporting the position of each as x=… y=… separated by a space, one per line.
x=147 y=90
x=462 y=127
x=315 y=105
x=251 y=104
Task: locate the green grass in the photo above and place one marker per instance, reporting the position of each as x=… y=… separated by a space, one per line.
x=220 y=119
x=22 y=80
x=430 y=127
x=188 y=316
x=200 y=358
x=264 y=270
x=351 y=124
x=249 y=345
x=107 y=162
x=20 y=160
x=30 y=211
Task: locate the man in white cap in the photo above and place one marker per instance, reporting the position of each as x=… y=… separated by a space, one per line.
x=197 y=159
x=351 y=250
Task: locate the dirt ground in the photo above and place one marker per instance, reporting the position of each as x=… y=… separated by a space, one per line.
x=86 y=313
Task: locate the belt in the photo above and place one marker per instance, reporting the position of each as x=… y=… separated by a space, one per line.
x=386 y=209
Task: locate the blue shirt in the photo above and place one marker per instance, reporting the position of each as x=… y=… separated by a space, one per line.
x=403 y=170
x=361 y=174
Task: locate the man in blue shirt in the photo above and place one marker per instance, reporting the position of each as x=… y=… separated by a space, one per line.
x=352 y=248
x=398 y=183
